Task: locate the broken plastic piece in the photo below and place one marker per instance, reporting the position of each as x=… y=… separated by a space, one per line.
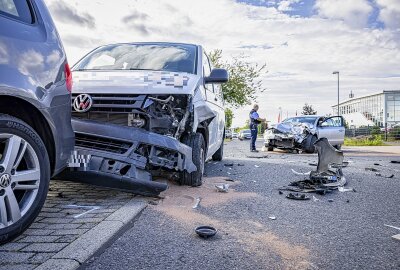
x=222 y=187
x=197 y=203
x=395 y=161
x=315 y=199
x=385 y=175
x=342 y=189
x=296 y=196
x=272 y=217
x=371 y=169
x=228 y=164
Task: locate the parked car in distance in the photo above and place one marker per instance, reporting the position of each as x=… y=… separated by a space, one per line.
x=234 y=135
x=142 y=107
x=301 y=132
x=36 y=136
x=228 y=133
x=244 y=134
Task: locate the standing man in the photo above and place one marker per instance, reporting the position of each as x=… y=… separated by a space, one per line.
x=254 y=121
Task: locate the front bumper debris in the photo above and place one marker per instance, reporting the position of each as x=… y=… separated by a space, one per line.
x=123 y=157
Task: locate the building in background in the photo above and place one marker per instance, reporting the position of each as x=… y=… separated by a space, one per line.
x=371 y=110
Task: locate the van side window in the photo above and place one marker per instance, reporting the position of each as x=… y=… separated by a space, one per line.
x=17 y=9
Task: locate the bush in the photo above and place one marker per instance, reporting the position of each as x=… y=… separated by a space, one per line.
x=373 y=140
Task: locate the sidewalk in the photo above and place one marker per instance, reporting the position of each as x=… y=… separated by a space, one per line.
x=75 y=222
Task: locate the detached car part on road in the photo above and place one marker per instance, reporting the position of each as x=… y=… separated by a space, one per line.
x=36 y=136
x=300 y=133
x=142 y=109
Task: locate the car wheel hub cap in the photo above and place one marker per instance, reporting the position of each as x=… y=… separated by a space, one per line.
x=5 y=180
x=19 y=180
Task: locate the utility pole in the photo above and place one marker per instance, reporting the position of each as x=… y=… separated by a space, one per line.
x=337 y=72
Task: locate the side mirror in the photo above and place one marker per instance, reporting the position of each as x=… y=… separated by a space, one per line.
x=218 y=75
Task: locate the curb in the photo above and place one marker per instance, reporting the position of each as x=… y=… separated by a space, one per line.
x=79 y=251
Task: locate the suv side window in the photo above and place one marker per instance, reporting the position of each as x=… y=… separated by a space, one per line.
x=207 y=72
x=17 y=9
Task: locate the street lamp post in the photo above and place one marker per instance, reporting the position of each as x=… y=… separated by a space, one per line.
x=337 y=72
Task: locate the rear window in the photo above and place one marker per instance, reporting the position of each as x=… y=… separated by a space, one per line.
x=17 y=9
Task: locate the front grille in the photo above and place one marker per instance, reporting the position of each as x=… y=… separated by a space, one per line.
x=112 y=118
x=102 y=144
x=114 y=103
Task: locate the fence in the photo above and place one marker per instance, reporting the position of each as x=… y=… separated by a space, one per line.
x=387 y=134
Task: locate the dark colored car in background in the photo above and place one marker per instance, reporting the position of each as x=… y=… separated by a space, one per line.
x=36 y=137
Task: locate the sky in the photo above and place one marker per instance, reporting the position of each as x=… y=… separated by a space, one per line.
x=301 y=41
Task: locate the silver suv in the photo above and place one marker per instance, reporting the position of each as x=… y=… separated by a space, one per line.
x=36 y=136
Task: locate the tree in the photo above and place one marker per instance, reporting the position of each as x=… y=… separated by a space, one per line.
x=228 y=117
x=308 y=110
x=244 y=79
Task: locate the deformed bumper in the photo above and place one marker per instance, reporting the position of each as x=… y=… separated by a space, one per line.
x=122 y=157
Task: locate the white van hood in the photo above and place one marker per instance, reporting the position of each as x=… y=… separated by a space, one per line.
x=134 y=82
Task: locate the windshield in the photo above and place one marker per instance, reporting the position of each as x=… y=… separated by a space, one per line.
x=309 y=120
x=158 y=57
x=246 y=131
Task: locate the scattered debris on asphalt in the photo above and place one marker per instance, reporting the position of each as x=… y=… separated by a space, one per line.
x=393 y=227
x=313 y=164
x=342 y=189
x=371 y=169
x=229 y=180
x=395 y=161
x=258 y=157
x=272 y=217
x=328 y=175
x=397 y=236
x=228 y=164
x=222 y=187
x=297 y=196
x=256 y=166
x=240 y=165
x=153 y=202
x=330 y=200
x=206 y=231
x=197 y=203
x=385 y=175
x=280 y=192
x=377 y=164
x=315 y=199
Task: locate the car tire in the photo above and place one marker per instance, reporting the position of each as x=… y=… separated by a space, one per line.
x=219 y=155
x=195 y=179
x=309 y=144
x=20 y=204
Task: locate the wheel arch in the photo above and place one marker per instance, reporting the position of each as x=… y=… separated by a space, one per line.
x=27 y=112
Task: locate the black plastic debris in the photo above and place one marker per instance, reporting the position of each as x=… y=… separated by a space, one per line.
x=385 y=175
x=330 y=200
x=206 y=231
x=280 y=192
x=395 y=161
x=371 y=169
x=228 y=164
x=258 y=157
x=300 y=197
x=229 y=180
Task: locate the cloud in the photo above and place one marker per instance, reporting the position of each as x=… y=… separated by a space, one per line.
x=137 y=20
x=300 y=52
x=286 y=5
x=389 y=13
x=355 y=12
x=69 y=14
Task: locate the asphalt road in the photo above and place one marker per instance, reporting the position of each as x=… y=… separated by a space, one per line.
x=346 y=233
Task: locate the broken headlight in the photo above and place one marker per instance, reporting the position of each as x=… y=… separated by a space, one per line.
x=134 y=120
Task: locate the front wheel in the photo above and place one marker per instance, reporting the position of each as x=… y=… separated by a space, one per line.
x=218 y=156
x=309 y=144
x=195 y=179
x=24 y=176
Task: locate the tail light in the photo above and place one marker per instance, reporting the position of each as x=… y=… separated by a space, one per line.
x=68 y=77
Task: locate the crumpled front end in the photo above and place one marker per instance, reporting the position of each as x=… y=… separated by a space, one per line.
x=288 y=135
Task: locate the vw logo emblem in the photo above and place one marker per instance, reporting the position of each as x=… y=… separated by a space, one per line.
x=83 y=103
x=5 y=180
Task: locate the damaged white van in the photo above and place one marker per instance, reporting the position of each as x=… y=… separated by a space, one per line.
x=142 y=108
